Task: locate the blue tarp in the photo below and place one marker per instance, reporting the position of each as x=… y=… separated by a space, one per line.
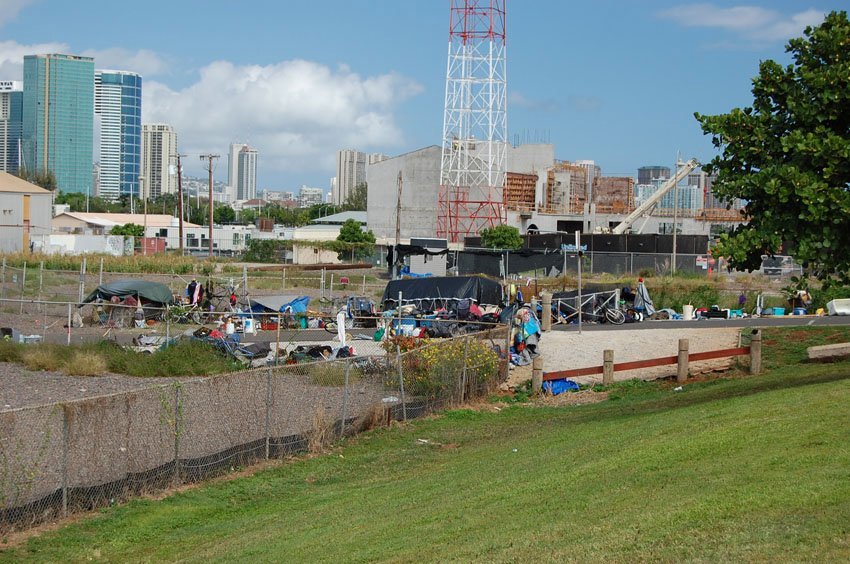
x=556 y=387
x=294 y=304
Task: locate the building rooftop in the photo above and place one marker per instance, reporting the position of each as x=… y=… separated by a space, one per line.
x=342 y=217
x=113 y=219
x=11 y=183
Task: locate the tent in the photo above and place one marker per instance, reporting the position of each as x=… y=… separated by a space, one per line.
x=434 y=292
x=152 y=293
x=296 y=304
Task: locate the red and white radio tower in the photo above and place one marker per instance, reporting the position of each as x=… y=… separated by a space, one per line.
x=475 y=125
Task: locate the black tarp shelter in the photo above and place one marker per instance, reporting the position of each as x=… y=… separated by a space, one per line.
x=431 y=293
x=152 y=293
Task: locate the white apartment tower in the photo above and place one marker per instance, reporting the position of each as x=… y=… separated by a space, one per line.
x=242 y=170
x=159 y=152
x=11 y=125
x=351 y=168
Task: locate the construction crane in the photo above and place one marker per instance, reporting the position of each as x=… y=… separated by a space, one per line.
x=683 y=171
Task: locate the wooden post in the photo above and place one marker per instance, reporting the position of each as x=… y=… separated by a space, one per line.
x=546 y=312
x=607 y=367
x=537 y=375
x=755 y=352
x=283 y=281
x=682 y=370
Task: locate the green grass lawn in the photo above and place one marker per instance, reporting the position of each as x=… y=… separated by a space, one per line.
x=744 y=468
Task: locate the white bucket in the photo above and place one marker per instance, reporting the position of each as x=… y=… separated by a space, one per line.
x=248 y=325
x=230 y=328
x=687 y=312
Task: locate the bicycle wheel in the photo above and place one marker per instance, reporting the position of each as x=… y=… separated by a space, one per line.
x=615 y=316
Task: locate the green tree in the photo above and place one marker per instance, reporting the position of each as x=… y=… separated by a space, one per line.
x=788 y=155
x=44 y=178
x=501 y=237
x=129 y=230
x=224 y=214
x=356 y=200
x=354 y=242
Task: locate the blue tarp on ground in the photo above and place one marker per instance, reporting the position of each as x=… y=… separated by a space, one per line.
x=264 y=304
x=556 y=387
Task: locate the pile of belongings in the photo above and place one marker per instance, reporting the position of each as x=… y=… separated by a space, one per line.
x=312 y=353
x=525 y=337
x=231 y=345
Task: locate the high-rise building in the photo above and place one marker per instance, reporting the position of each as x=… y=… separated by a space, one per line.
x=58 y=118
x=646 y=174
x=118 y=120
x=11 y=124
x=242 y=170
x=159 y=152
x=350 y=171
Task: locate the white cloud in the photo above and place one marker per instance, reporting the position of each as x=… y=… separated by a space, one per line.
x=9 y=9
x=749 y=22
x=144 y=62
x=12 y=56
x=296 y=113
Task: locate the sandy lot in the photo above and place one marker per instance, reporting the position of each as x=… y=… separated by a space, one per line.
x=566 y=350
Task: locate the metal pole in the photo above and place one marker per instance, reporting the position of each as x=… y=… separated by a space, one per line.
x=564 y=272
x=65 y=436
x=345 y=399
x=100 y=278
x=40 y=283
x=176 y=430
x=145 y=207
x=3 y=279
x=180 y=201
x=268 y=410
x=401 y=384
x=364 y=284
x=578 y=262
x=675 y=217
x=23 y=285
x=69 y=324
x=277 y=340
x=463 y=375
x=283 y=279
x=82 y=292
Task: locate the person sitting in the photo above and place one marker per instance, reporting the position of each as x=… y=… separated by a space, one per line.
x=627 y=295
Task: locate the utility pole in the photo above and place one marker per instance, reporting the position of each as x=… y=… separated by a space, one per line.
x=675 y=214
x=180 y=198
x=210 y=157
x=397 y=226
x=145 y=226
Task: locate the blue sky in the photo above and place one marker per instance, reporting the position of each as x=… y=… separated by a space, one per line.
x=615 y=82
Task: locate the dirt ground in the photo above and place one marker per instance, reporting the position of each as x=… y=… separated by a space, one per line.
x=563 y=350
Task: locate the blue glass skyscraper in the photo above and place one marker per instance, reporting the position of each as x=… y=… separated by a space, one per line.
x=58 y=118
x=118 y=113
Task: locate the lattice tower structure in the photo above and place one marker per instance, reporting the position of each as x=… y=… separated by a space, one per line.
x=473 y=166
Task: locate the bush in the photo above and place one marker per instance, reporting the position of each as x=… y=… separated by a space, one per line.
x=433 y=370
x=41 y=358
x=84 y=363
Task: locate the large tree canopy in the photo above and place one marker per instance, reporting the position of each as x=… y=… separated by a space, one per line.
x=788 y=155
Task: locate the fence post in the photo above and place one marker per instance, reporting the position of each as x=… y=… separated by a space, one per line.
x=546 y=311
x=177 y=411
x=23 y=286
x=65 y=439
x=331 y=293
x=268 y=410
x=3 y=279
x=364 y=284
x=607 y=367
x=40 y=284
x=508 y=348
x=283 y=278
x=755 y=352
x=69 y=323
x=537 y=375
x=345 y=399
x=82 y=293
x=682 y=368
x=100 y=276
x=463 y=379
x=401 y=384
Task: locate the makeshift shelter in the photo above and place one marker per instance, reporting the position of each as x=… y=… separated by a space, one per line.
x=436 y=292
x=148 y=293
x=282 y=303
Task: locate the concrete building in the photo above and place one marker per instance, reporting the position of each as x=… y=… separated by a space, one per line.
x=159 y=162
x=118 y=124
x=242 y=170
x=58 y=118
x=351 y=170
x=321 y=229
x=25 y=213
x=102 y=223
x=310 y=196
x=11 y=124
x=646 y=174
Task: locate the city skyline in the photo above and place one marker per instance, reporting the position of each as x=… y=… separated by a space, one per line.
x=619 y=89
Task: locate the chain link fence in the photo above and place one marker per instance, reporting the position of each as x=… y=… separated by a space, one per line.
x=80 y=455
